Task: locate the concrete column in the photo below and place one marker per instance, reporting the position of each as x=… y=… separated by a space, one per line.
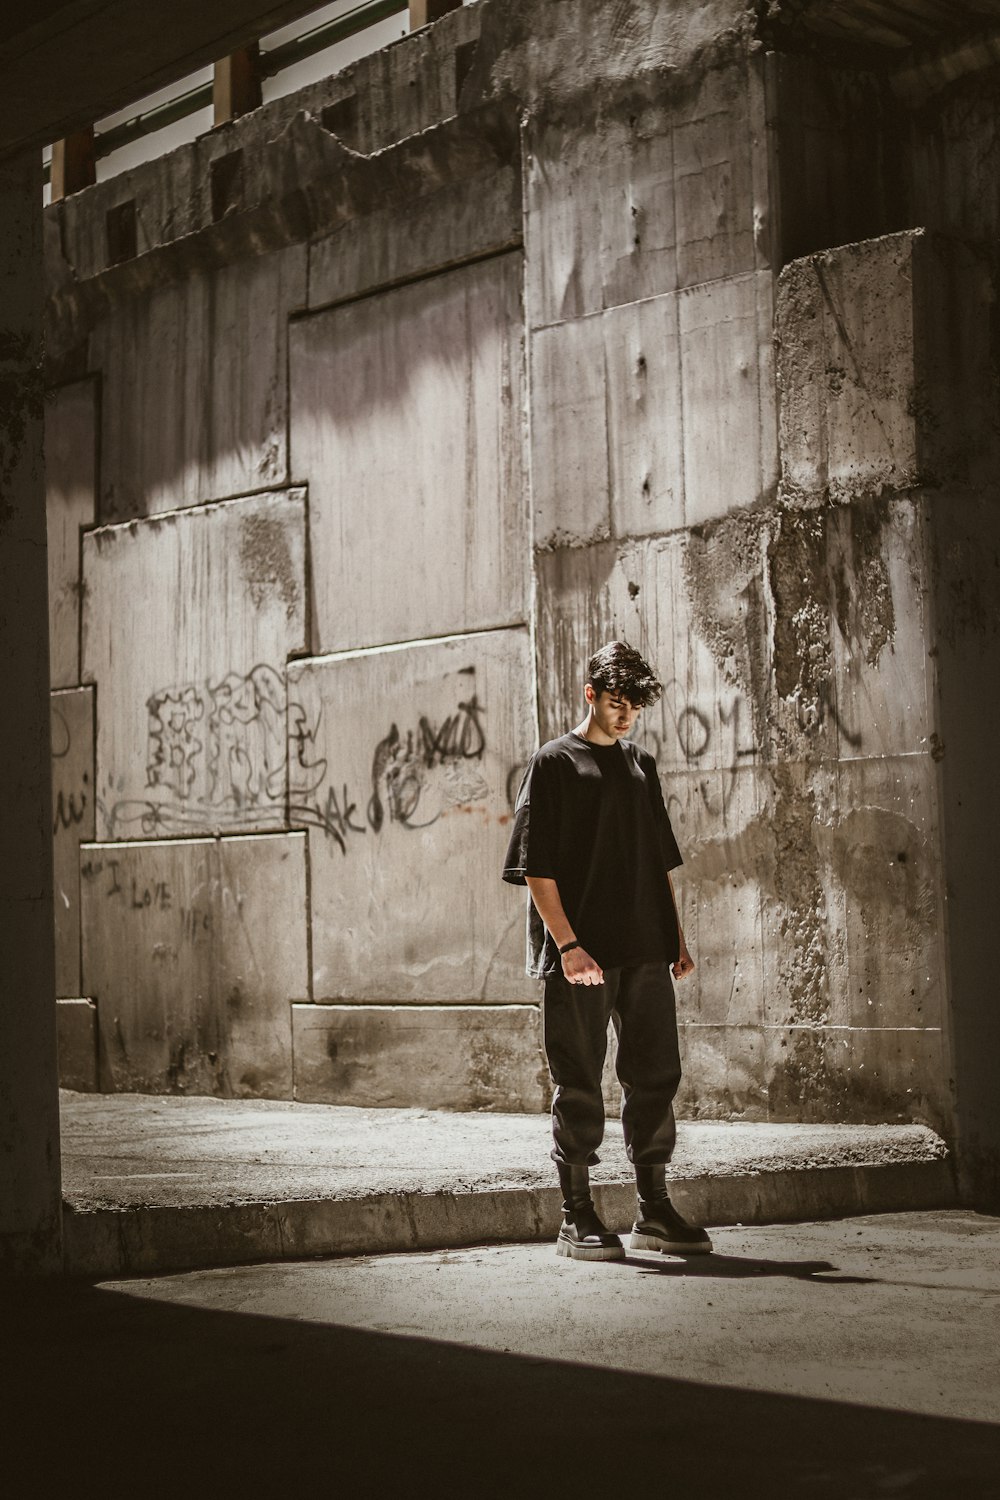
x=29 y=1100
x=74 y=165
x=236 y=84
x=423 y=12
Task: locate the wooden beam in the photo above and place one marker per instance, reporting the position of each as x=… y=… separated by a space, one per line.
x=73 y=163
x=236 y=84
x=423 y=12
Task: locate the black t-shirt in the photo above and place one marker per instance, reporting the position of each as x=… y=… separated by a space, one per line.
x=591 y=818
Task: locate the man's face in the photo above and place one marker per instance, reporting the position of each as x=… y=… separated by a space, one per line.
x=613 y=715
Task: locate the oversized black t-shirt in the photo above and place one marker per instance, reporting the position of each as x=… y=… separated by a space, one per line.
x=591 y=818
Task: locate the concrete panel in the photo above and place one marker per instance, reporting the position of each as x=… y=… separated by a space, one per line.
x=600 y=214
x=194 y=394
x=193 y=950
x=73 y=821
x=188 y=622
x=882 y=851
x=405 y=763
x=76 y=1031
x=644 y=417
x=725 y=1073
x=730 y=417
x=883 y=680
x=885 y=370
x=429 y=1057
x=459 y=220
x=862 y=1076
x=715 y=138
x=569 y=434
x=70 y=484
x=407 y=423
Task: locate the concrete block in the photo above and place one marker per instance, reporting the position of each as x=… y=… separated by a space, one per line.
x=406 y=422
x=644 y=417
x=191 y=735
x=865 y=1076
x=727 y=375
x=76 y=1032
x=429 y=1056
x=193 y=950
x=73 y=822
x=885 y=367
x=405 y=764
x=725 y=1073
x=194 y=402
x=569 y=434
x=70 y=482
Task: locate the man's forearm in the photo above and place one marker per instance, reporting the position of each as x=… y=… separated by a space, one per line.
x=548 y=904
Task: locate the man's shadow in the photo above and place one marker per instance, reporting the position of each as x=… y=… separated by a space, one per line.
x=738 y=1268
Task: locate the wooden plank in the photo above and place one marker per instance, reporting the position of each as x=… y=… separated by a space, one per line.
x=406 y=423
x=194 y=389
x=74 y=165
x=404 y=766
x=423 y=12
x=193 y=950
x=421 y=1056
x=73 y=822
x=236 y=84
x=188 y=622
x=70 y=485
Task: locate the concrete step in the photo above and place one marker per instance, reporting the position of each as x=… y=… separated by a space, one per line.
x=158 y=1183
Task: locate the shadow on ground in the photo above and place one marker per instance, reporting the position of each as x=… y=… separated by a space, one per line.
x=134 y=1397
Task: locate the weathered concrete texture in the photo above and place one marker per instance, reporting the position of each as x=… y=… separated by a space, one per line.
x=406 y=424
x=637 y=413
x=886 y=369
x=404 y=764
x=966 y=552
x=434 y=1056
x=650 y=191
x=193 y=950
x=29 y=1124
x=76 y=1024
x=194 y=397
x=188 y=621
x=73 y=821
x=154 y=1183
x=70 y=484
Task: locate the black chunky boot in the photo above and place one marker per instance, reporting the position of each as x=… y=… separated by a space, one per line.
x=659 y=1226
x=582 y=1236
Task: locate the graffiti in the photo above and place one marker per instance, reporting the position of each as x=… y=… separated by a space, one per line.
x=69 y=804
x=415 y=776
x=221 y=744
x=239 y=752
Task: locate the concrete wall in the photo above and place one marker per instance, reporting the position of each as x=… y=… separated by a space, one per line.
x=429 y=379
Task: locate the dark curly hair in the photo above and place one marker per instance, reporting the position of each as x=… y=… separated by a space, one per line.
x=619 y=669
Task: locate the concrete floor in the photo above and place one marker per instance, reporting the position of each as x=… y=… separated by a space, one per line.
x=852 y=1359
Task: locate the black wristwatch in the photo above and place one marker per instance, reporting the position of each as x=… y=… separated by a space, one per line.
x=566 y=947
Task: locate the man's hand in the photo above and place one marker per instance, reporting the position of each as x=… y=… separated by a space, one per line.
x=579 y=968
x=684 y=965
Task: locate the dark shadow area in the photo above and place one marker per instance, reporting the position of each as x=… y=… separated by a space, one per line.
x=127 y=1396
x=741 y=1267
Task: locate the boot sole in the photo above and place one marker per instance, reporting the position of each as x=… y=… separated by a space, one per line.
x=590 y=1252
x=641 y=1241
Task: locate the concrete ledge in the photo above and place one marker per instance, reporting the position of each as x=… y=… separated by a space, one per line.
x=159 y=1183
x=143 y=1241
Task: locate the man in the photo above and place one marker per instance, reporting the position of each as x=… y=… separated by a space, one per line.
x=593 y=843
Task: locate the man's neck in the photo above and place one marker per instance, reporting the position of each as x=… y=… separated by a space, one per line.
x=591 y=731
